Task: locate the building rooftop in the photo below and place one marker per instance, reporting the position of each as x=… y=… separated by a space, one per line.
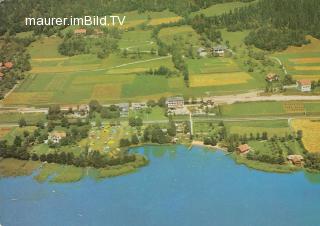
x=243 y=148
x=58 y=134
x=8 y=64
x=304 y=82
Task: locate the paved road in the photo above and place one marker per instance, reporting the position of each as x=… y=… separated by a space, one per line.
x=228 y=99
x=255 y=96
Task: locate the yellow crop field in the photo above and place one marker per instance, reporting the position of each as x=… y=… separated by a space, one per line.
x=200 y=80
x=17 y=98
x=314 y=46
x=310 y=77
x=293 y=107
x=103 y=92
x=305 y=60
x=164 y=20
x=310 y=133
x=307 y=68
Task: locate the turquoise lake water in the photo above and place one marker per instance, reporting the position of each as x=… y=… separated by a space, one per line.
x=178 y=187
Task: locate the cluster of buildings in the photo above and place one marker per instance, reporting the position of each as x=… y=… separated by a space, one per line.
x=77 y=111
x=5 y=67
x=217 y=51
x=303 y=85
x=176 y=106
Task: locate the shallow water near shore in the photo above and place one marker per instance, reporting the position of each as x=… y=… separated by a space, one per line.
x=178 y=187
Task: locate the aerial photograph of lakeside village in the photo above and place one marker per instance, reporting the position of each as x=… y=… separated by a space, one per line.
x=160 y=112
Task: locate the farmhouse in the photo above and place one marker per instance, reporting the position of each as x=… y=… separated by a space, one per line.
x=56 y=136
x=243 y=148
x=295 y=159
x=219 y=50
x=175 y=102
x=304 y=85
x=202 y=52
x=80 y=31
x=272 y=77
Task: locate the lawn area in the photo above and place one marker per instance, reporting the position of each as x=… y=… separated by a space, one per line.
x=219 y=9
x=236 y=39
x=270 y=147
x=310 y=133
x=157 y=113
x=137 y=39
x=45 y=48
x=273 y=127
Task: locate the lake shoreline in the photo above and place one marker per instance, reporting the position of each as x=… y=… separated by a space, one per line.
x=127 y=168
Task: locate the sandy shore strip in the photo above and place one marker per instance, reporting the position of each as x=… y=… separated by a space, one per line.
x=200 y=143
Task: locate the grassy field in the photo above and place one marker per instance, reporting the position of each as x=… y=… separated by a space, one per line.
x=185 y=34
x=14 y=167
x=220 y=76
x=303 y=62
x=135 y=19
x=14 y=117
x=59 y=173
x=157 y=113
x=270 y=108
x=17 y=131
x=219 y=9
x=273 y=168
x=311 y=133
x=274 y=127
x=57 y=79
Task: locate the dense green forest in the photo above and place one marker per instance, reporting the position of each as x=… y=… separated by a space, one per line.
x=12 y=20
x=275 y=24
